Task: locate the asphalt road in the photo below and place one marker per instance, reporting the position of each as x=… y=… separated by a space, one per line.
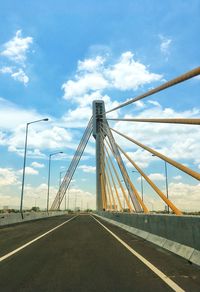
x=82 y=256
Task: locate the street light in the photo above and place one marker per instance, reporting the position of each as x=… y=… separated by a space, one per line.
x=50 y=155
x=142 y=187
x=24 y=165
x=166 y=182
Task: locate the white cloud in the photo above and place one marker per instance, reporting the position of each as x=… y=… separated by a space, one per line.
x=44 y=135
x=18 y=75
x=84 y=84
x=6 y=70
x=155 y=103
x=37 y=164
x=40 y=138
x=177 y=177
x=12 y=116
x=129 y=74
x=140 y=157
x=29 y=171
x=157 y=177
x=21 y=76
x=185 y=196
x=33 y=195
x=88 y=168
x=16 y=49
x=165 y=44
x=139 y=104
x=96 y=75
x=77 y=118
x=7 y=177
x=91 y=64
x=82 y=198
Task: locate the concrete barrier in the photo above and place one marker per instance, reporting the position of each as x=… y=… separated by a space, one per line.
x=178 y=234
x=13 y=218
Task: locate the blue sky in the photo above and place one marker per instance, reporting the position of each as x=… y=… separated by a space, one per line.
x=56 y=57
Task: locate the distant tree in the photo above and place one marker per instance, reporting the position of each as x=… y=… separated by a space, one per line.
x=35 y=209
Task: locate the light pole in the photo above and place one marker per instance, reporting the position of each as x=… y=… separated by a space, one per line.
x=24 y=165
x=166 y=182
x=49 y=174
x=142 y=187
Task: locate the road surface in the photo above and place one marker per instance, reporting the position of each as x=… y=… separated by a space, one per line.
x=80 y=254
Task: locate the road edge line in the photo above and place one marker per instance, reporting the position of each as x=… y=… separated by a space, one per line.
x=153 y=268
x=33 y=240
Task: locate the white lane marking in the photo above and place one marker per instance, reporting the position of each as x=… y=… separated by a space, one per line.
x=160 y=274
x=35 y=239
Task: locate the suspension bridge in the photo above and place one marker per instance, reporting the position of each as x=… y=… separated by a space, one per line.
x=120 y=247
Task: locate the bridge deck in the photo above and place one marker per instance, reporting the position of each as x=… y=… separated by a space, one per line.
x=82 y=256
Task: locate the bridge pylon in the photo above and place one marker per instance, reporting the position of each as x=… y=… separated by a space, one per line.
x=98 y=123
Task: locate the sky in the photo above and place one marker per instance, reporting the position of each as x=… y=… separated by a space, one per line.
x=57 y=57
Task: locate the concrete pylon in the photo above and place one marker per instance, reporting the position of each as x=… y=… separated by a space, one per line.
x=98 y=122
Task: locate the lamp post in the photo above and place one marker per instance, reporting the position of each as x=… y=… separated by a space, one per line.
x=166 y=182
x=24 y=165
x=142 y=187
x=49 y=174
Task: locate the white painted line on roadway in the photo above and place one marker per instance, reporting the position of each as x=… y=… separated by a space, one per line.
x=160 y=274
x=32 y=241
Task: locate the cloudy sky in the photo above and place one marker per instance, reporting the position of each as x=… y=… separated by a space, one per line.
x=57 y=57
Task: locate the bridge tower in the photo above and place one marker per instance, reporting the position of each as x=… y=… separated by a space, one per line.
x=98 y=122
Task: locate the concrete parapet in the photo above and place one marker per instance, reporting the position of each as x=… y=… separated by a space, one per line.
x=178 y=234
x=13 y=218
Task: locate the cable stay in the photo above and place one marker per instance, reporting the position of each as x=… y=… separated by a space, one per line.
x=73 y=166
x=165 y=121
x=122 y=167
x=150 y=182
x=163 y=157
x=179 y=79
x=108 y=197
x=134 y=190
